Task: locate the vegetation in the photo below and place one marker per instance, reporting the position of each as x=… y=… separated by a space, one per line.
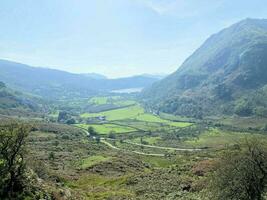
x=12 y=155
x=105 y=129
x=241 y=173
x=118 y=114
x=215 y=80
x=93 y=160
x=198 y=134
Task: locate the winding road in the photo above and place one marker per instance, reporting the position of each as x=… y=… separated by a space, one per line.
x=104 y=141
x=164 y=148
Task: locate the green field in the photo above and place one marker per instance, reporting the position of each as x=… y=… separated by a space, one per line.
x=99 y=100
x=135 y=112
x=105 y=129
x=118 y=114
x=125 y=103
x=152 y=118
x=149 y=140
x=116 y=100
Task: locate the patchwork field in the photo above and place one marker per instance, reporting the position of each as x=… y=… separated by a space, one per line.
x=152 y=118
x=116 y=100
x=134 y=113
x=104 y=129
x=118 y=114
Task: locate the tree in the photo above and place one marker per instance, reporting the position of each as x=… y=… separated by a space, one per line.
x=223 y=92
x=51 y=156
x=92 y=131
x=98 y=139
x=260 y=111
x=244 y=108
x=70 y=121
x=63 y=116
x=241 y=173
x=112 y=135
x=12 y=156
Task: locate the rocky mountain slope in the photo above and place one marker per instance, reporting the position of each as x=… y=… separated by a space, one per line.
x=226 y=75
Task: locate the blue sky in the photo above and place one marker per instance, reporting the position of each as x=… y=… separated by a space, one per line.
x=114 y=37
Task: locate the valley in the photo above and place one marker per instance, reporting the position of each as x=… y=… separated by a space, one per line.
x=199 y=133
x=127 y=152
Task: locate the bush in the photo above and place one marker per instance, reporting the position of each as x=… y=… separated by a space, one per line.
x=241 y=174
x=261 y=111
x=243 y=108
x=112 y=135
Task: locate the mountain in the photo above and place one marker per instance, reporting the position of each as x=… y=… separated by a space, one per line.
x=157 y=76
x=95 y=76
x=226 y=75
x=14 y=102
x=55 y=84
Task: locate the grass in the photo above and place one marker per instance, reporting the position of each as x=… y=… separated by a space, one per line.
x=135 y=112
x=215 y=138
x=118 y=114
x=244 y=122
x=99 y=100
x=152 y=118
x=125 y=103
x=39 y=134
x=159 y=162
x=105 y=129
x=93 y=160
x=54 y=114
x=116 y=100
x=149 y=140
x=174 y=117
x=99 y=187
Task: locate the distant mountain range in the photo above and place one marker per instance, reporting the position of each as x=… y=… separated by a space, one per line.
x=95 y=76
x=226 y=75
x=55 y=84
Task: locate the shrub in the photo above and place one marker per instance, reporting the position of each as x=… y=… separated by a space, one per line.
x=241 y=174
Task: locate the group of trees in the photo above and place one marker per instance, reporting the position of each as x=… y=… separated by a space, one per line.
x=65 y=117
x=253 y=104
x=185 y=106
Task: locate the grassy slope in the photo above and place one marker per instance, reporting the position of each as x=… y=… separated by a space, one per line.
x=215 y=138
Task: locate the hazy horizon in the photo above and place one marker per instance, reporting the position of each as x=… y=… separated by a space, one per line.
x=116 y=39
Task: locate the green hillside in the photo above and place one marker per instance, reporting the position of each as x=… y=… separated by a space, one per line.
x=226 y=75
x=16 y=103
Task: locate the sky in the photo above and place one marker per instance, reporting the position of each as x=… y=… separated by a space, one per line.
x=114 y=37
